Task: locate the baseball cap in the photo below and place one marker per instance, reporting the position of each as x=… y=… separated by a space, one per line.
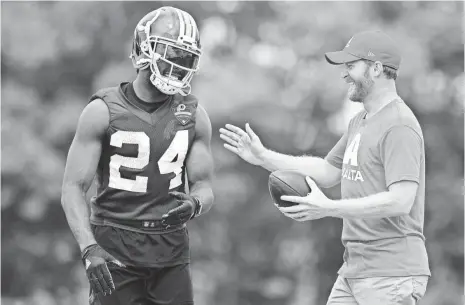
x=369 y=45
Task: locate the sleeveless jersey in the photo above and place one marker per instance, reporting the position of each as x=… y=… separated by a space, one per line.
x=142 y=159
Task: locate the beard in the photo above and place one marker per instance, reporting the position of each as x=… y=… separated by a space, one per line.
x=359 y=90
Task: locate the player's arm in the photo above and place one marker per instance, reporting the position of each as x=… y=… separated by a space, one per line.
x=247 y=145
x=199 y=166
x=81 y=165
x=401 y=154
x=199 y=162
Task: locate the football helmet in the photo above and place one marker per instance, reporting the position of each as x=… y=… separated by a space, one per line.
x=167 y=41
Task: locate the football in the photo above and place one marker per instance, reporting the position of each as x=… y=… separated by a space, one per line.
x=287 y=182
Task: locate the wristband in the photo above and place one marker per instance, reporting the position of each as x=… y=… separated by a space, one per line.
x=86 y=250
x=198 y=207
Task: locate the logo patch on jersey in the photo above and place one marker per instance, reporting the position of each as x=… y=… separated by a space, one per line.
x=183 y=112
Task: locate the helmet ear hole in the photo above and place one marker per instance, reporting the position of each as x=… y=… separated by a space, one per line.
x=136 y=49
x=136 y=45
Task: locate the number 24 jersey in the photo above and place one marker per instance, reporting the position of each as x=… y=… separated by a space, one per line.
x=142 y=159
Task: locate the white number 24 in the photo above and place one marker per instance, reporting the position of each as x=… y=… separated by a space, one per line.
x=178 y=146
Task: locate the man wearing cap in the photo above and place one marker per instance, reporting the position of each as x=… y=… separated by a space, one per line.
x=380 y=163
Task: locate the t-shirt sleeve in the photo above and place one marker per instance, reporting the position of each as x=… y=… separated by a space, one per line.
x=401 y=154
x=336 y=155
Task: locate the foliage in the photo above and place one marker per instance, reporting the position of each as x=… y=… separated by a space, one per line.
x=263 y=64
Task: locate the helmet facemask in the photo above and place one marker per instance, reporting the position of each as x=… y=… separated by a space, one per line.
x=172 y=66
x=173 y=62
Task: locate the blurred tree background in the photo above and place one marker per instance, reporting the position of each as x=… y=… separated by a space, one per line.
x=263 y=63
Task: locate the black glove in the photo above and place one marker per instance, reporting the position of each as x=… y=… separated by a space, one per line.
x=188 y=207
x=95 y=260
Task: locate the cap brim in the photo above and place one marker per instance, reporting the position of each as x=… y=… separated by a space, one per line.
x=340 y=57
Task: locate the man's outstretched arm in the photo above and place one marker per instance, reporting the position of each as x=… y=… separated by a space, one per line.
x=247 y=145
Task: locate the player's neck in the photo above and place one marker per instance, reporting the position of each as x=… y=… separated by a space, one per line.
x=146 y=91
x=380 y=97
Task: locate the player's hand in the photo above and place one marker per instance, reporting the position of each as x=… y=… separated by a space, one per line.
x=187 y=206
x=313 y=206
x=245 y=144
x=95 y=260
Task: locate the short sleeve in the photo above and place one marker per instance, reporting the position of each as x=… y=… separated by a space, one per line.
x=401 y=153
x=336 y=155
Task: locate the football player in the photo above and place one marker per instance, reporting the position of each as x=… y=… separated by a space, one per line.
x=148 y=142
